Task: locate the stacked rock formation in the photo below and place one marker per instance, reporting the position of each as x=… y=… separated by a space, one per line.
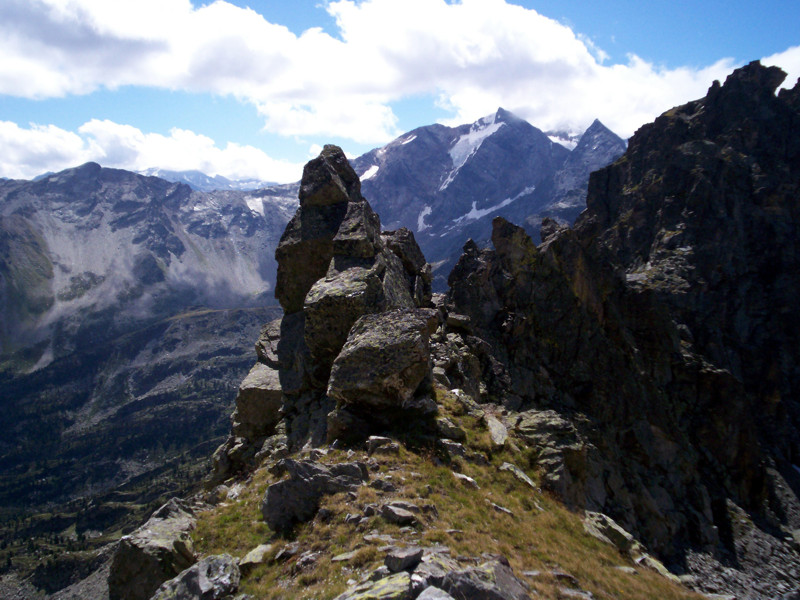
x=343 y=285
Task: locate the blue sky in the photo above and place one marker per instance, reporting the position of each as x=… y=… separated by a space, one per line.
x=253 y=88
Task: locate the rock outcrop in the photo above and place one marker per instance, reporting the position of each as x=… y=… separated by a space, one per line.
x=334 y=267
x=646 y=358
x=156 y=552
x=212 y=578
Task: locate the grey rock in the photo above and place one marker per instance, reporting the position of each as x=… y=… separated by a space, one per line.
x=454 y=449
x=385 y=360
x=466 y=480
x=375 y=441
x=296 y=499
x=258 y=403
x=447 y=429
x=434 y=593
x=256 y=556
x=457 y=321
x=574 y=594
x=519 y=474
x=347 y=556
x=392 y=449
x=393 y=587
x=398 y=515
x=156 y=552
x=383 y=485
x=497 y=431
x=501 y=509
x=607 y=530
x=493 y=580
x=403 y=559
x=212 y=578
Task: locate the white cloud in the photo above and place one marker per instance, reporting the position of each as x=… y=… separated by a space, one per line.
x=473 y=55
x=28 y=152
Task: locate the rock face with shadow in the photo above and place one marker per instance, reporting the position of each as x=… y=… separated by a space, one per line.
x=653 y=348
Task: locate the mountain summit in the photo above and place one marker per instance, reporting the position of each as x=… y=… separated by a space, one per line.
x=446 y=184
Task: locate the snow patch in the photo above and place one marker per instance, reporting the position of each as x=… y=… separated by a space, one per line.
x=476 y=213
x=467 y=145
x=421 y=225
x=568 y=144
x=796 y=468
x=255 y=204
x=370 y=173
x=408 y=141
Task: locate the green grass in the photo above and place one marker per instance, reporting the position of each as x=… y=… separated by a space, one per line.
x=542 y=535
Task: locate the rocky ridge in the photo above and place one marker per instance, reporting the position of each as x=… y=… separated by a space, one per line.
x=634 y=355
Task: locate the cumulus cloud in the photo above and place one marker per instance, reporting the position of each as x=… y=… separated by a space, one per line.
x=473 y=55
x=28 y=152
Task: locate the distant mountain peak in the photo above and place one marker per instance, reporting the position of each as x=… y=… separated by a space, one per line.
x=202 y=182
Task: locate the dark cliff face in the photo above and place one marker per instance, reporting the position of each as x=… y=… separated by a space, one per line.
x=704 y=211
x=664 y=326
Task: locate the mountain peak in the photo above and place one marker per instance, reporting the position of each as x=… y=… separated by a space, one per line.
x=505 y=116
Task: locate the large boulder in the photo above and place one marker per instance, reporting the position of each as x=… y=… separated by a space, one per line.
x=385 y=360
x=493 y=580
x=153 y=554
x=212 y=578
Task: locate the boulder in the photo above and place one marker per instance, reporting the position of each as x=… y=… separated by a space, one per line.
x=403 y=559
x=393 y=587
x=256 y=556
x=385 y=360
x=296 y=499
x=607 y=530
x=156 y=552
x=434 y=593
x=498 y=433
x=519 y=474
x=212 y=578
x=493 y=580
x=398 y=515
x=258 y=403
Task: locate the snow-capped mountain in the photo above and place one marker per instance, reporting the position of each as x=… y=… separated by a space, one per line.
x=447 y=183
x=201 y=182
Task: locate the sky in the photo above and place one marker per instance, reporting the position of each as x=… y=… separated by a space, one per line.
x=254 y=88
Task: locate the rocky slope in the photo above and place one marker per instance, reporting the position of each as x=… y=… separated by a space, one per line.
x=643 y=365
x=659 y=329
